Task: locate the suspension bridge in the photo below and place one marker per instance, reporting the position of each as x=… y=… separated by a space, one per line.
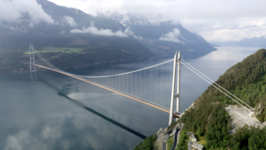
x=161 y=83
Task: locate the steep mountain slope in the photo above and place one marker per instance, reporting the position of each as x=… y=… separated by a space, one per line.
x=208 y=118
x=70 y=34
x=166 y=36
x=62 y=34
x=246 y=80
x=169 y=37
x=69 y=28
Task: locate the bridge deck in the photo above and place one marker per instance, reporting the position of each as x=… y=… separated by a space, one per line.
x=112 y=90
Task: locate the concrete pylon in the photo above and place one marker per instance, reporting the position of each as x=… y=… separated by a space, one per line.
x=178 y=83
x=32 y=59
x=175 y=87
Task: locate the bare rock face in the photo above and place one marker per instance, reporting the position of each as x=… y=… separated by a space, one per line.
x=159 y=131
x=240 y=117
x=259 y=109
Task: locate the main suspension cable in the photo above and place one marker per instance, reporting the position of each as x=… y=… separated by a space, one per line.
x=217 y=84
x=214 y=86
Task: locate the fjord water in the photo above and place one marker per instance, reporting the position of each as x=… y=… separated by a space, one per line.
x=51 y=111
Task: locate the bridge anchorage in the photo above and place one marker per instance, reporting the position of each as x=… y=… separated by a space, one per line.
x=157 y=86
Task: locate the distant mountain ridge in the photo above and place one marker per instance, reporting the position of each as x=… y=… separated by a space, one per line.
x=19 y=35
x=70 y=39
x=73 y=28
x=252 y=42
x=64 y=34
x=170 y=37
x=165 y=36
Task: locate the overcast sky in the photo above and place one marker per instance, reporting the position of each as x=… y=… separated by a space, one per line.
x=215 y=20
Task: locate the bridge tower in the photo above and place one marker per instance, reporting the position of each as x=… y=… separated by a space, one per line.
x=175 y=87
x=32 y=59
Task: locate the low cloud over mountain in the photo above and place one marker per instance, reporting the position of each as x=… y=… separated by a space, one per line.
x=17 y=11
x=104 y=32
x=220 y=20
x=44 y=23
x=172 y=36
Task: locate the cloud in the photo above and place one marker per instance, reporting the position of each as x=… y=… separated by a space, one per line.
x=172 y=36
x=246 y=19
x=80 y=95
x=70 y=21
x=245 y=27
x=104 y=32
x=14 y=11
x=233 y=34
x=88 y=130
x=137 y=37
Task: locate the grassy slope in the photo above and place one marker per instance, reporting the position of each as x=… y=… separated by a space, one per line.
x=58 y=50
x=170 y=142
x=72 y=57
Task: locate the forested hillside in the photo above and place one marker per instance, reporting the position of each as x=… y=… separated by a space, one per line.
x=246 y=80
x=97 y=53
x=209 y=120
x=95 y=39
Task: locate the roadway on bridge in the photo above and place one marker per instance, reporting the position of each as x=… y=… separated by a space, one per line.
x=128 y=96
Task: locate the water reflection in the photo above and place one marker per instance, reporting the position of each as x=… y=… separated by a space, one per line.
x=66 y=90
x=71 y=129
x=225 y=54
x=70 y=132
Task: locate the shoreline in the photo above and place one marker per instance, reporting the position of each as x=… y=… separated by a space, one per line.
x=83 y=66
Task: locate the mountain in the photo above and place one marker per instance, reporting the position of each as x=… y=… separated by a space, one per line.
x=247 y=81
x=166 y=36
x=170 y=37
x=63 y=34
x=69 y=27
x=252 y=42
x=208 y=119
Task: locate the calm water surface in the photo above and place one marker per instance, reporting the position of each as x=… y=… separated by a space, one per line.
x=51 y=111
